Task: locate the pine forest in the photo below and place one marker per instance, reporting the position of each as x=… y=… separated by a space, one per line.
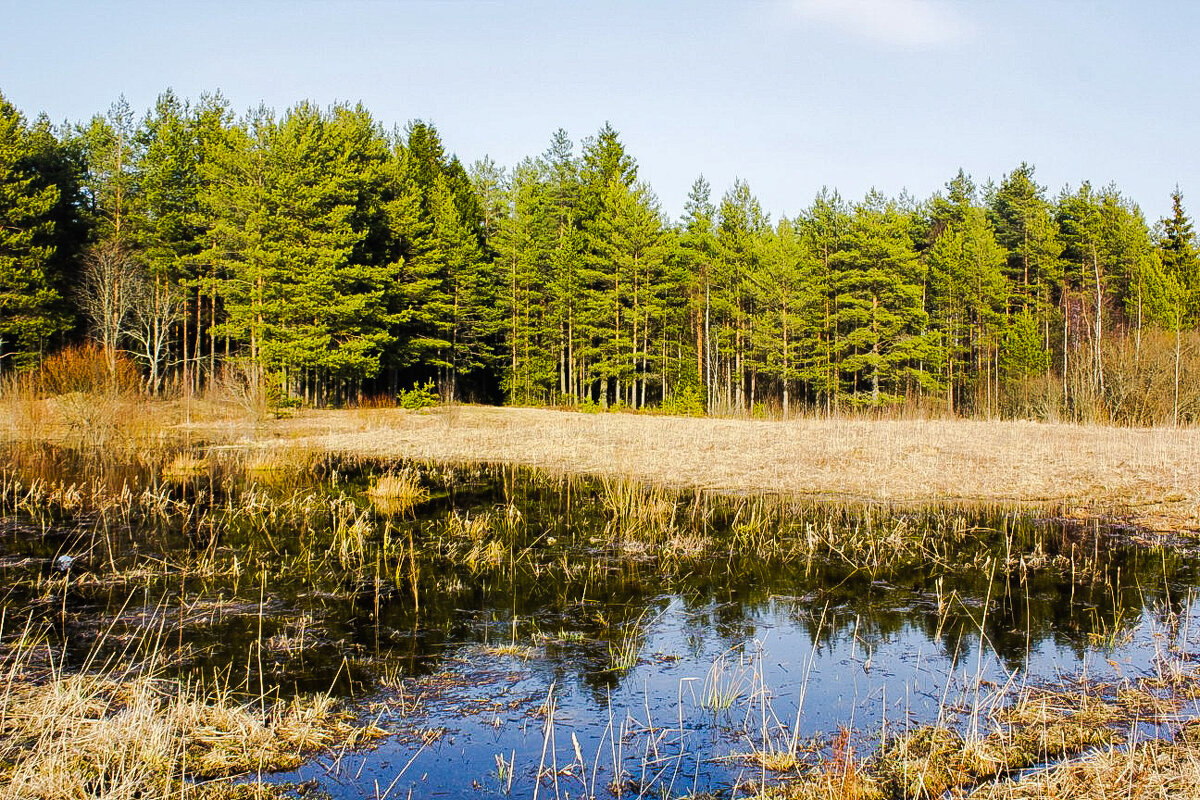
x=327 y=260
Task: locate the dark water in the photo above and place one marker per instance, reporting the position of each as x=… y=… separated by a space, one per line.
x=603 y=636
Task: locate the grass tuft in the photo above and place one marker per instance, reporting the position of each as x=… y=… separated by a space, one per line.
x=397 y=492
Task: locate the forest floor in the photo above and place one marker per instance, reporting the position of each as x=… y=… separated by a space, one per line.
x=1147 y=477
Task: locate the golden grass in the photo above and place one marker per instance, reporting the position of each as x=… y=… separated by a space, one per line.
x=95 y=736
x=184 y=465
x=933 y=761
x=1153 y=770
x=397 y=492
x=1150 y=475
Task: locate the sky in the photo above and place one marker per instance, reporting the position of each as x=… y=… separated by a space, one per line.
x=788 y=95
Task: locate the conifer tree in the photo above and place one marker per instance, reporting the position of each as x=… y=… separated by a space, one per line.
x=240 y=228
x=823 y=229
x=787 y=306
x=741 y=227
x=698 y=255
x=966 y=296
x=884 y=342
x=1180 y=256
x=30 y=306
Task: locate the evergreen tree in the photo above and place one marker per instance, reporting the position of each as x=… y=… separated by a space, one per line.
x=883 y=341
x=787 y=305
x=526 y=242
x=30 y=307
x=592 y=290
x=169 y=183
x=1024 y=223
x=240 y=228
x=697 y=256
x=445 y=295
x=627 y=282
x=966 y=296
x=741 y=228
x=823 y=229
x=1083 y=294
x=1180 y=257
x=113 y=160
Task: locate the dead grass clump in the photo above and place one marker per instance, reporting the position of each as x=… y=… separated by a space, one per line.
x=1153 y=769
x=930 y=760
x=353 y=529
x=938 y=761
x=397 y=492
x=183 y=466
x=843 y=776
x=240 y=386
x=81 y=398
x=464 y=526
x=1043 y=725
x=95 y=736
x=272 y=463
x=485 y=554
x=24 y=411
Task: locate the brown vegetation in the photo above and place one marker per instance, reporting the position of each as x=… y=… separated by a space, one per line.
x=1149 y=475
x=121 y=736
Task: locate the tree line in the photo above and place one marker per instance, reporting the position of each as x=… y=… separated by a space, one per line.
x=324 y=257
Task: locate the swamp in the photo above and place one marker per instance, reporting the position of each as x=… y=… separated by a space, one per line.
x=202 y=618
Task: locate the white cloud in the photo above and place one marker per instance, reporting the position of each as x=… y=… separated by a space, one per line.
x=916 y=24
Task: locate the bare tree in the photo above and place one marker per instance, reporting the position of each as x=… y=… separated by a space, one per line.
x=156 y=307
x=107 y=295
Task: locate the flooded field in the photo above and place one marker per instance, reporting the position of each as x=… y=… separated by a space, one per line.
x=524 y=634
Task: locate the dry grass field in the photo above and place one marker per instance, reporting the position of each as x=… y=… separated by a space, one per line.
x=1150 y=476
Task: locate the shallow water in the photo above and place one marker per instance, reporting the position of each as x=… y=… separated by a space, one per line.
x=599 y=635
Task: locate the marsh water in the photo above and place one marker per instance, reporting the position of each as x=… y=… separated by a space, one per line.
x=527 y=634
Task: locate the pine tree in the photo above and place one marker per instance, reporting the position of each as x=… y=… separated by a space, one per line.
x=592 y=291
x=627 y=279
x=966 y=297
x=698 y=255
x=30 y=307
x=1081 y=224
x=1180 y=256
x=240 y=229
x=113 y=154
x=169 y=183
x=741 y=228
x=526 y=242
x=883 y=340
x=786 y=307
x=823 y=229
x=445 y=295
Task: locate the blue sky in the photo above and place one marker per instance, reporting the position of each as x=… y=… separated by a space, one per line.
x=790 y=95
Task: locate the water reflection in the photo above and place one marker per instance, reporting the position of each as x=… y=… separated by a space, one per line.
x=668 y=632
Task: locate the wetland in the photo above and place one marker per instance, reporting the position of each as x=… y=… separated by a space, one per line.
x=396 y=627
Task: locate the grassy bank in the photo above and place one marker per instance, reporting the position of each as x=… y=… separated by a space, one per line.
x=1149 y=476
